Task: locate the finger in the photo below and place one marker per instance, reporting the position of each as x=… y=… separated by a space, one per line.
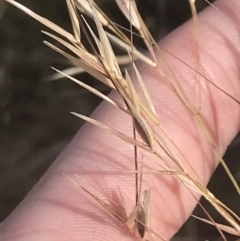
x=57 y=210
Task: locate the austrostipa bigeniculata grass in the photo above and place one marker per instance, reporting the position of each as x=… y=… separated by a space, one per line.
x=103 y=64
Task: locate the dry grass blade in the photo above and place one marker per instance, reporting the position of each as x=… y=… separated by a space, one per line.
x=203 y=76
x=197 y=54
x=74 y=19
x=82 y=64
x=143 y=214
x=129 y=48
x=122 y=60
x=88 y=58
x=94 y=91
x=185 y=99
x=128 y=9
x=69 y=71
x=44 y=21
x=137 y=221
x=223 y=227
x=143 y=128
x=110 y=210
x=144 y=90
x=85 y=7
x=107 y=53
x=115 y=132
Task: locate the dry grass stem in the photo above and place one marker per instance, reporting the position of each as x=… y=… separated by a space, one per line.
x=155 y=140
x=137 y=221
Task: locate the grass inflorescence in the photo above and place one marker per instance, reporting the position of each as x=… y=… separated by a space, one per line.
x=149 y=133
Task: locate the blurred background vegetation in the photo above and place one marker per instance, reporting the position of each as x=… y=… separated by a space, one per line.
x=35 y=124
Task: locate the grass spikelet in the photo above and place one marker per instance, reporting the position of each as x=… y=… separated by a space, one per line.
x=152 y=137
x=74 y=19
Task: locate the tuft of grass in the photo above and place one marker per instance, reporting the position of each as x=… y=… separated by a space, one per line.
x=104 y=65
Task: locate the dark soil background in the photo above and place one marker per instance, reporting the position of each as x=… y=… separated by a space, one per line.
x=35 y=124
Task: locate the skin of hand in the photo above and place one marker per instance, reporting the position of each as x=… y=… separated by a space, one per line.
x=56 y=209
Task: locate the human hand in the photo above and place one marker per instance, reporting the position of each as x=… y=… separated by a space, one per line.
x=56 y=210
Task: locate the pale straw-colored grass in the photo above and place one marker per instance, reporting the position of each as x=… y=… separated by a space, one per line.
x=104 y=66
